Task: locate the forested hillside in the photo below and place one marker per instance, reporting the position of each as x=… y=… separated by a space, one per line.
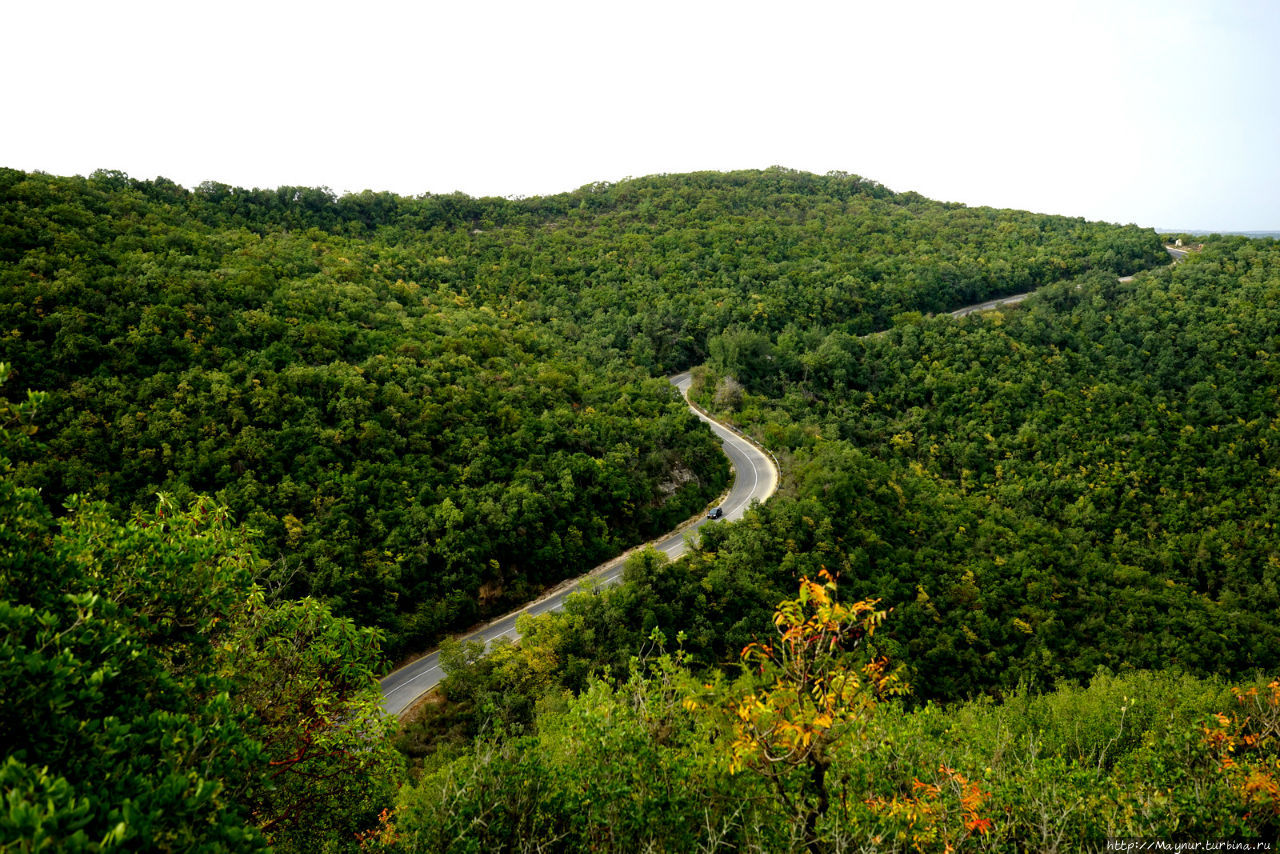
x=431 y=408
x=411 y=456
x=1089 y=480
x=376 y=418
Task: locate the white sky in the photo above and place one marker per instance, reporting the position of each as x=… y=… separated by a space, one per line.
x=1164 y=113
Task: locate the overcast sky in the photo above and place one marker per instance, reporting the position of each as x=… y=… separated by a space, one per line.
x=1164 y=113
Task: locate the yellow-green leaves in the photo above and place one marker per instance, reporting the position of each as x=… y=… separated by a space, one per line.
x=808 y=693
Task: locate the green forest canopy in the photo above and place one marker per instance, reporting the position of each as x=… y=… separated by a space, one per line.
x=431 y=408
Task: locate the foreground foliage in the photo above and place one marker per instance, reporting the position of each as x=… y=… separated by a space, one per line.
x=669 y=761
x=151 y=698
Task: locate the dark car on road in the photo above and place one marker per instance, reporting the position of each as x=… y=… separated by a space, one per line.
x=716 y=513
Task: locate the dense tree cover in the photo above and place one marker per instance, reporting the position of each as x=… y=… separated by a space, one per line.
x=653 y=268
x=1086 y=481
x=413 y=458
x=431 y=408
x=152 y=698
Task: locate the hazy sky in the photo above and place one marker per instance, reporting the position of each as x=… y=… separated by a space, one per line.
x=1163 y=113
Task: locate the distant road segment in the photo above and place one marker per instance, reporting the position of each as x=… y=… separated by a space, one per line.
x=755 y=479
x=1176 y=254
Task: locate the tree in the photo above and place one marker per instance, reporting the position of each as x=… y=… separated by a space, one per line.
x=805 y=695
x=305 y=679
x=151 y=698
x=115 y=733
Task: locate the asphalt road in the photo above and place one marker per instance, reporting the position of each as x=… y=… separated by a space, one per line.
x=990 y=304
x=755 y=479
x=1176 y=254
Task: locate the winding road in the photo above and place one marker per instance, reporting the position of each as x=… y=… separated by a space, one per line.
x=755 y=479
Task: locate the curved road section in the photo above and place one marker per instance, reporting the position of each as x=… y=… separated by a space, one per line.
x=755 y=479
